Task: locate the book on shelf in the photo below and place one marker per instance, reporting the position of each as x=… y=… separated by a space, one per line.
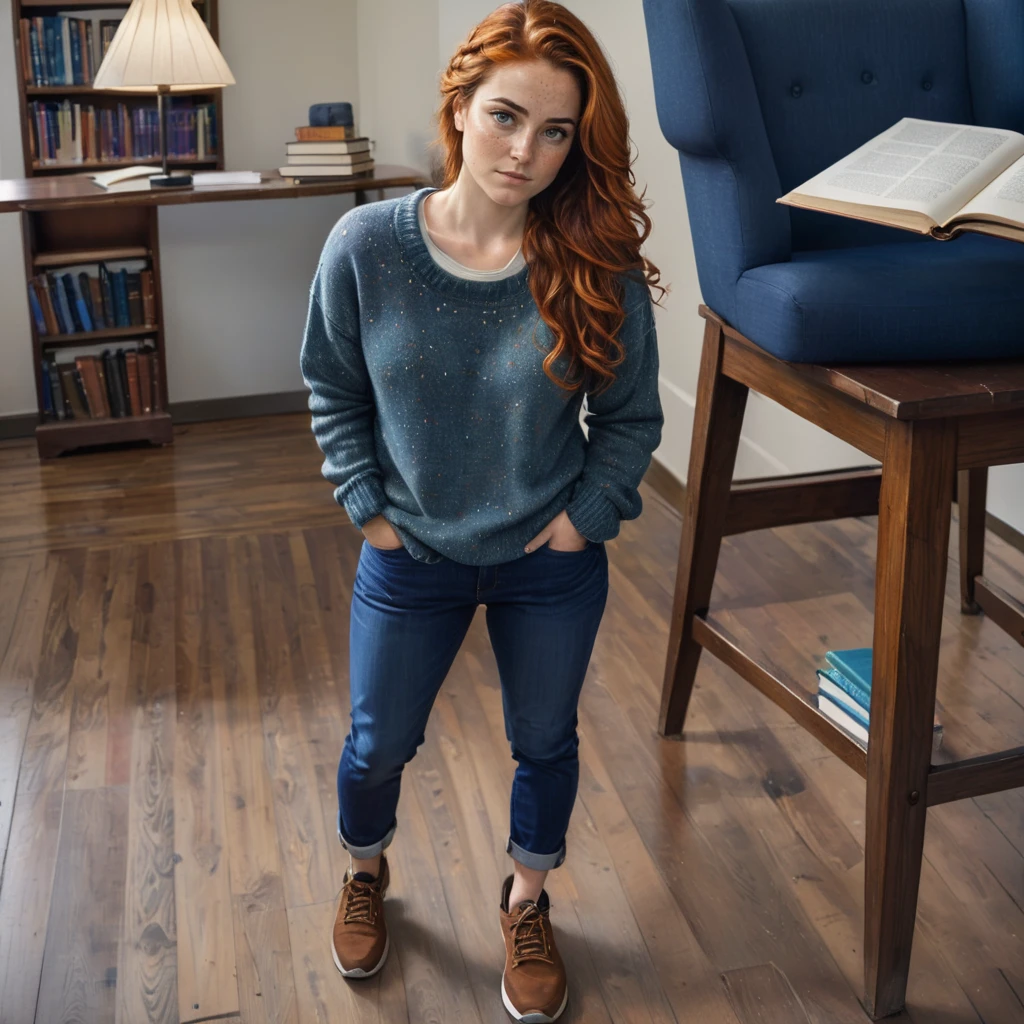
x=68 y=132
x=110 y=384
x=844 y=693
x=57 y=50
x=932 y=177
x=93 y=297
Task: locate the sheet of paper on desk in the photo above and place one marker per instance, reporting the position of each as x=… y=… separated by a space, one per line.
x=203 y=178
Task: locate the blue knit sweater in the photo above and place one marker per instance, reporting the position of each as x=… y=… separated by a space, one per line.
x=432 y=408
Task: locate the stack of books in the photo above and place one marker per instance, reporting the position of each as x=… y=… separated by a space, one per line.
x=331 y=151
x=844 y=693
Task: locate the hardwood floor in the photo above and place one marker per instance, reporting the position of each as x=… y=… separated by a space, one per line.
x=173 y=661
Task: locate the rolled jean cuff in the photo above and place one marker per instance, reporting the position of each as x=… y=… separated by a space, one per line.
x=366 y=852
x=537 y=861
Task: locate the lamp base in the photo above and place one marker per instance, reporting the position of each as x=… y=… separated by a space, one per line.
x=171 y=181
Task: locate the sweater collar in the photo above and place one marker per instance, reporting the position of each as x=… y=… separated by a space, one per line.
x=415 y=250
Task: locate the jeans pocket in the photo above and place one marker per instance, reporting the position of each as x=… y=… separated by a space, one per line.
x=567 y=554
x=386 y=552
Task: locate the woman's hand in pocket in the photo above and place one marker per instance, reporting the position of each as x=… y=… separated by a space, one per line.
x=379 y=533
x=559 y=535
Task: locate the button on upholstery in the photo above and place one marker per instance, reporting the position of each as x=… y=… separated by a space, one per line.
x=926 y=85
x=796 y=89
x=866 y=77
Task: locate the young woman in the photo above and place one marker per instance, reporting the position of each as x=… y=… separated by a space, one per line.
x=452 y=336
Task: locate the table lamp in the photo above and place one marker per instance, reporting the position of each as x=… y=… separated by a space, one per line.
x=163 y=46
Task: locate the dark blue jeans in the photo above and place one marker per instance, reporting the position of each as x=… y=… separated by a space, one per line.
x=407 y=623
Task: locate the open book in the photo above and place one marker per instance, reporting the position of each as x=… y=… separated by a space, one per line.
x=126 y=178
x=930 y=177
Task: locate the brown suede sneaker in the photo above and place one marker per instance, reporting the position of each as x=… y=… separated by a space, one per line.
x=360 y=943
x=533 y=986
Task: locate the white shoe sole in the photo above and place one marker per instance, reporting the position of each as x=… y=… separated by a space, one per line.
x=531 y=1018
x=358 y=972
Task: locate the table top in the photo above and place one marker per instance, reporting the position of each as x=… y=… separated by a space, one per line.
x=59 y=191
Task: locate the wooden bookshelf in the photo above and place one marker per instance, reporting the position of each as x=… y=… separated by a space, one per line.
x=64 y=237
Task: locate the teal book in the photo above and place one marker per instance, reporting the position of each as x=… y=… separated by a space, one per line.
x=856 y=692
x=849 y=673
x=840 y=692
x=854 y=664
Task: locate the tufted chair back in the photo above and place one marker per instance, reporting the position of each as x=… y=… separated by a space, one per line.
x=759 y=95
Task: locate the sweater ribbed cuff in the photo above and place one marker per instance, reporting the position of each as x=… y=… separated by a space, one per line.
x=593 y=514
x=363 y=500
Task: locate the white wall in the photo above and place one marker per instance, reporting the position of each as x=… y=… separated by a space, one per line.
x=386 y=56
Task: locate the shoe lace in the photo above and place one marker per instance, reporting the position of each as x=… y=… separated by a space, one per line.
x=529 y=938
x=360 y=902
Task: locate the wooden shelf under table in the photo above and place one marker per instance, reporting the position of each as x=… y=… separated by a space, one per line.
x=67 y=259
x=93 y=337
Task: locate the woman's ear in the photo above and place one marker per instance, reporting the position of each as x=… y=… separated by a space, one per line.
x=460 y=120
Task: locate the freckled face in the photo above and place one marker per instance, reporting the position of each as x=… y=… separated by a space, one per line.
x=517 y=129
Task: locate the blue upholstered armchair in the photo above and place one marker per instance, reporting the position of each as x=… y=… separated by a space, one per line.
x=759 y=95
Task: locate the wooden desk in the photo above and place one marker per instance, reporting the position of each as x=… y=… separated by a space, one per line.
x=68 y=220
x=77 y=190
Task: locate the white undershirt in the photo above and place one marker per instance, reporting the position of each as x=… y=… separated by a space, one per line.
x=456 y=269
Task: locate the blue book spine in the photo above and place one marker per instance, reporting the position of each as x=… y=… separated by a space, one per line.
x=855 y=664
x=107 y=294
x=52 y=129
x=67 y=320
x=48 y=55
x=37 y=63
x=58 y=47
x=72 y=300
x=47 y=396
x=121 y=298
x=83 y=315
x=77 y=75
x=858 y=693
x=37 y=311
x=83 y=309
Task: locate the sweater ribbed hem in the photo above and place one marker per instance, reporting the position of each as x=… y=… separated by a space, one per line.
x=593 y=514
x=416 y=253
x=363 y=500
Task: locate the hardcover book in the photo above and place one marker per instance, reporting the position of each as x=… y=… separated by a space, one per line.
x=932 y=177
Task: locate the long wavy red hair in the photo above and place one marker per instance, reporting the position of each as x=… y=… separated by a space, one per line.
x=587 y=227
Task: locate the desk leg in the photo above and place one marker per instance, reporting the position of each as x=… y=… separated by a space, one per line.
x=360 y=196
x=913 y=534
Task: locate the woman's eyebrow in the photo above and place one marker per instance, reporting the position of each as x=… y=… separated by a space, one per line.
x=522 y=110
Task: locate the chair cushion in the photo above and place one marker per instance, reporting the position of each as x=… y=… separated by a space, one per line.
x=923 y=300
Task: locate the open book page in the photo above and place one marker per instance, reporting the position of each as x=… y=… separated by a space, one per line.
x=921 y=171
x=1001 y=201
x=107 y=178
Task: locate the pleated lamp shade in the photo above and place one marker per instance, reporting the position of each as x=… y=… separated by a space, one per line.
x=162 y=43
